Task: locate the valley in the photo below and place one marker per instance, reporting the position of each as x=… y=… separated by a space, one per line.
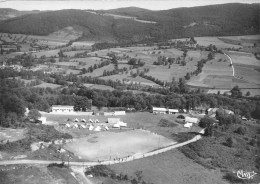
x=130 y=95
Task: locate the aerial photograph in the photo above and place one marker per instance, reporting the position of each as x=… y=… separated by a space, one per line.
x=129 y=92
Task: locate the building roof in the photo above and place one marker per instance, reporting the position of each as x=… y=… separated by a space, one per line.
x=62 y=106
x=159 y=109
x=173 y=110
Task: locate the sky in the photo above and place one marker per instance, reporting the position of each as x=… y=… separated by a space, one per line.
x=111 y=4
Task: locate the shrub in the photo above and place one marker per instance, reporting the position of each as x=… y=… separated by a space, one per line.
x=180 y=117
x=241 y=130
x=230 y=142
x=101 y=170
x=232 y=178
x=166 y=123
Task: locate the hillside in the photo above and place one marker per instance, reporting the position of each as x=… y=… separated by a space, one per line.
x=213 y=20
x=7 y=13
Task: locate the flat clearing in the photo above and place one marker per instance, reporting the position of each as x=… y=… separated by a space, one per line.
x=244 y=58
x=206 y=41
x=214 y=74
x=48 y=53
x=168 y=168
x=101 y=87
x=47 y=85
x=11 y=134
x=27 y=174
x=109 y=145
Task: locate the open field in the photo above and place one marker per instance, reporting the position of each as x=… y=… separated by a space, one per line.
x=109 y=145
x=206 y=41
x=101 y=87
x=214 y=73
x=47 y=85
x=32 y=174
x=143 y=120
x=48 y=53
x=11 y=134
x=246 y=40
x=170 y=167
x=243 y=58
x=99 y=71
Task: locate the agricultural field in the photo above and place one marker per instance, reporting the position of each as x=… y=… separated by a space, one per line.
x=246 y=40
x=206 y=41
x=215 y=73
x=48 y=53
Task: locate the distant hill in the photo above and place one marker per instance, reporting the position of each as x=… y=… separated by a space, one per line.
x=214 y=20
x=7 y=13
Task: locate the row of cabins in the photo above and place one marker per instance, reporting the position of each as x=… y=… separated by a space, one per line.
x=70 y=109
x=160 y=110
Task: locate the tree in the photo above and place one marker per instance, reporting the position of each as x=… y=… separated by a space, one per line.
x=82 y=104
x=34 y=114
x=248 y=93
x=235 y=92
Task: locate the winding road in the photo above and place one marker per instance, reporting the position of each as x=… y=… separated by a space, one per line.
x=109 y=162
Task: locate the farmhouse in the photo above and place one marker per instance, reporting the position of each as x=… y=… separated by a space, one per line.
x=159 y=110
x=62 y=109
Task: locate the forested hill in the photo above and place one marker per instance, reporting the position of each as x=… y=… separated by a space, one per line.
x=214 y=20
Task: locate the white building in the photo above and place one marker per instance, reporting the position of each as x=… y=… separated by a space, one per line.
x=159 y=110
x=173 y=111
x=62 y=109
x=191 y=120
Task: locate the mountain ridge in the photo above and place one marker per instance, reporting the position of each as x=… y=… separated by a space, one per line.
x=213 y=20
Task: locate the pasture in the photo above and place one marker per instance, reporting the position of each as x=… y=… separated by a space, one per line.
x=206 y=41
x=47 y=85
x=111 y=145
x=244 y=58
x=48 y=53
x=168 y=168
x=215 y=73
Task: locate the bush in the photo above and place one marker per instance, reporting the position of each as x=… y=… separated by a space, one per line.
x=230 y=142
x=180 y=117
x=241 y=130
x=232 y=178
x=166 y=123
x=61 y=165
x=101 y=170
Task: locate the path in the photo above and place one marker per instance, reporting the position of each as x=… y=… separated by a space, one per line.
x=231 y=64
x=109 y=162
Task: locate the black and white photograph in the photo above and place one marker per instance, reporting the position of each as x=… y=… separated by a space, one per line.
x=129 y=92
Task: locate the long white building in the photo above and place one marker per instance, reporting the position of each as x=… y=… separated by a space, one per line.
x=62 y=108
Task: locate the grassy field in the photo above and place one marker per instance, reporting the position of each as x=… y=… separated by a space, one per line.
x=144 y=120
x=45 y=85
x=168 y=168
x=11 y=134
x=206 y=41
x=214 y=74
x=27 y=174
x=48 y=53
